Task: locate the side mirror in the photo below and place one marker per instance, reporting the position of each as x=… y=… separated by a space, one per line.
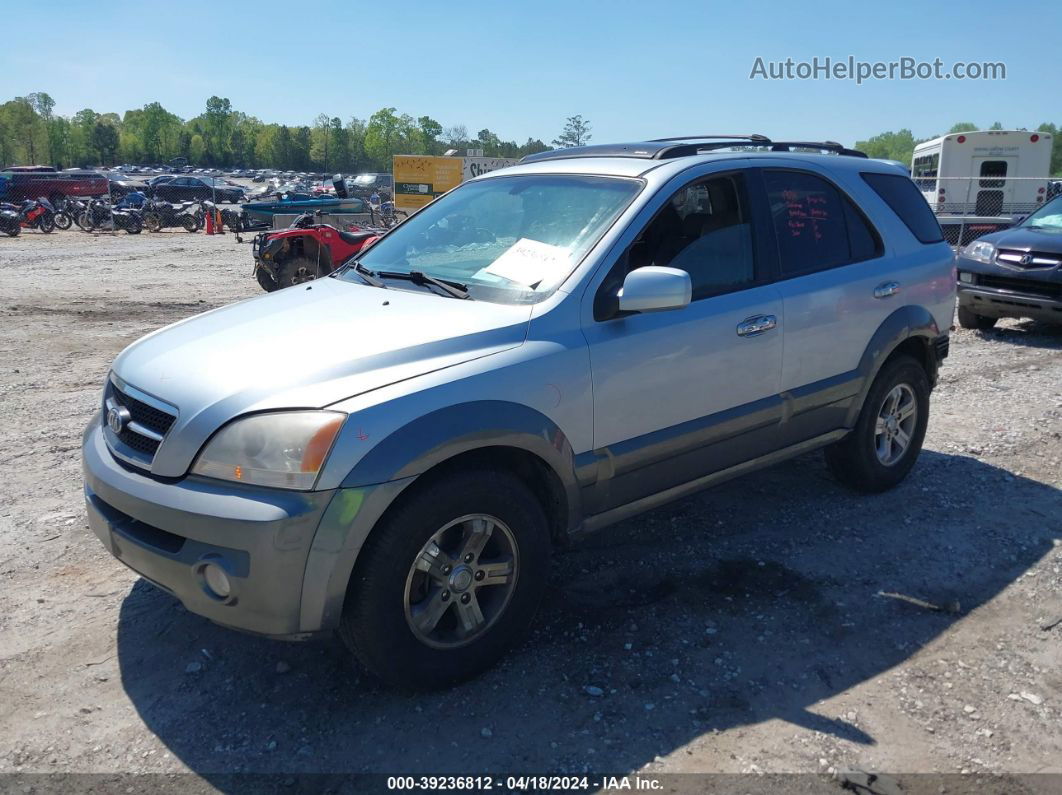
x=654 y=289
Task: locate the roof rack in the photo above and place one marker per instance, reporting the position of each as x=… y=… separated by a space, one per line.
x=683 y=146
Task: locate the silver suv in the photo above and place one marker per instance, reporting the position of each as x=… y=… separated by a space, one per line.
x=545 y=350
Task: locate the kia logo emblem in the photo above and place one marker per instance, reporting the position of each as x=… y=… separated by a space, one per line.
x=117 y=417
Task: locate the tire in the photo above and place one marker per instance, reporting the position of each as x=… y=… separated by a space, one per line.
x=135 y=225
x=189 y=223
x=63 y=220
x=265 y=280
x=153 y=222
x=297 y=270
x=86 y=222
x=13 y=231
x=46 y=223
x=972 y=320
x=856 y=460
x=377 y=622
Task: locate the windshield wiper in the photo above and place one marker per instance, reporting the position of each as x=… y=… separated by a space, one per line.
x=367 y=276
x=421 y=279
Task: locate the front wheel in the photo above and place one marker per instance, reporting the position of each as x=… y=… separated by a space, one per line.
x=188 y=221
x=46 y=223
x=886 y=440
x=265 y=280
x=134 y=226
x=972 y=320
x=63 y=220
x=448 y=581
x=13 y=230
x=86 y=221
x=153 y=222
x=297 y=271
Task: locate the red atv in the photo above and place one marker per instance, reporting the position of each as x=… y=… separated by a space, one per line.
x=305 y=251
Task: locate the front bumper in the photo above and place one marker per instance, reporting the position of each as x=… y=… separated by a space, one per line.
x=167 y=531
x=995 y=290
x=998 y=302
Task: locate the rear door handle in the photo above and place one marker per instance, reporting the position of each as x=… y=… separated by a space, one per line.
x=885 y=289
x=755 y=325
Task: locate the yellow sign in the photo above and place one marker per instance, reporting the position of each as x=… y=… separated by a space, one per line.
x=420 y=178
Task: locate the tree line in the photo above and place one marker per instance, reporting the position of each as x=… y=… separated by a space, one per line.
x=900 y=145
x=31 y=133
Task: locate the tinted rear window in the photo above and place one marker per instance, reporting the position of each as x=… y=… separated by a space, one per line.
x=906 y=201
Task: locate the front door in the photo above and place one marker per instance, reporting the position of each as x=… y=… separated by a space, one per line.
x=676 y=392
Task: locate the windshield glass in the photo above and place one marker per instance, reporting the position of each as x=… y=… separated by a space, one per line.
x=1047 y=217
x=509 y=239
x=364 y=179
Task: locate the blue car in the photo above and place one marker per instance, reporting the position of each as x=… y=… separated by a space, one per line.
x=1014 y=273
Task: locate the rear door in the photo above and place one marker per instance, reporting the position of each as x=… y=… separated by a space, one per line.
x=837 y=287
x=994 y=190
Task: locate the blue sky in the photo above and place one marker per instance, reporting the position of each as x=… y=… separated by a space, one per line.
x=635 y=70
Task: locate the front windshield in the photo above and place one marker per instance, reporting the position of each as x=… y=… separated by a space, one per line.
x=510 y=239
x=1047 y=217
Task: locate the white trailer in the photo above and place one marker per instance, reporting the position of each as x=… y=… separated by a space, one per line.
x=988 y=173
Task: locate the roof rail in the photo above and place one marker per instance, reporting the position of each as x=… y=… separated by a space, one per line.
x=683 y=146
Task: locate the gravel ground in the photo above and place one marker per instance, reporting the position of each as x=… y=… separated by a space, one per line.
x=738 y=631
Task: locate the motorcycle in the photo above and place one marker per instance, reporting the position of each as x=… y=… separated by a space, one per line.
x=9 y=223
x=99 y=214
x=33 y=214
x=66 y=212
x=159 y=215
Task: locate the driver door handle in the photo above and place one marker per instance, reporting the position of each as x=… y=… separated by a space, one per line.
x=885 y=289
x=755 y=325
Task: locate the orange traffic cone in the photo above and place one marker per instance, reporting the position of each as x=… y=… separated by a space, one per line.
x=221 y=223
x=210 y=222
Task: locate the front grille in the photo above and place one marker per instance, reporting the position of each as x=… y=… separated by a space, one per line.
x=1025 y=286
x=144 y=415
x=1028 y=259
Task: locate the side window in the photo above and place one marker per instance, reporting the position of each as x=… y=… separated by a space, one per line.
x=908 y=203
x=705 y=230
x=817 y=228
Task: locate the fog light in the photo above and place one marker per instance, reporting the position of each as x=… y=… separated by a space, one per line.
x=217 y=581
x=966 y=277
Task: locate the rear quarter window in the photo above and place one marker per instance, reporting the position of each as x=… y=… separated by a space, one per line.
x=904 y=198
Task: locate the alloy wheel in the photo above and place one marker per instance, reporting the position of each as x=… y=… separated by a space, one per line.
x=895 y=424
x=461 y=582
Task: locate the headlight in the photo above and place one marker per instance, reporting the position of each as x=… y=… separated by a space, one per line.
x=285 y=449
x=980 y=251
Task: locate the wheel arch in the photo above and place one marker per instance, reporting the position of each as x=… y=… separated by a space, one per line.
x=910 y=330
x=490 y=434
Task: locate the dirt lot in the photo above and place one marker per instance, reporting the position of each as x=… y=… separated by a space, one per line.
x=738 y=631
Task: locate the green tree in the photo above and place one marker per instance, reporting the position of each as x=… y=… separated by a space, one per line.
x=890 y=146
x=576 y=132
x=1056 y=147
x=962 y=127
x=105 y=140
x=429 y=130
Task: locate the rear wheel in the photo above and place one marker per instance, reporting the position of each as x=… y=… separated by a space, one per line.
x=297 y=271
x=135 y=225
x=972 y=320
x=448 y=581
x=13 y=230
x=886 y=440
x=63 y=220
x=188 y=221
x=46 y=223
x=86 y=222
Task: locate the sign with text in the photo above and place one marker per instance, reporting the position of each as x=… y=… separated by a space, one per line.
x=420 y=178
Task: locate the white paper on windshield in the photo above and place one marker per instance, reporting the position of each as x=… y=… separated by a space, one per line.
x=532 y=263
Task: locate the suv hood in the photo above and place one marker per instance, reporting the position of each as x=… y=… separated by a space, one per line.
x=304 y=347
x=1023 y=238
